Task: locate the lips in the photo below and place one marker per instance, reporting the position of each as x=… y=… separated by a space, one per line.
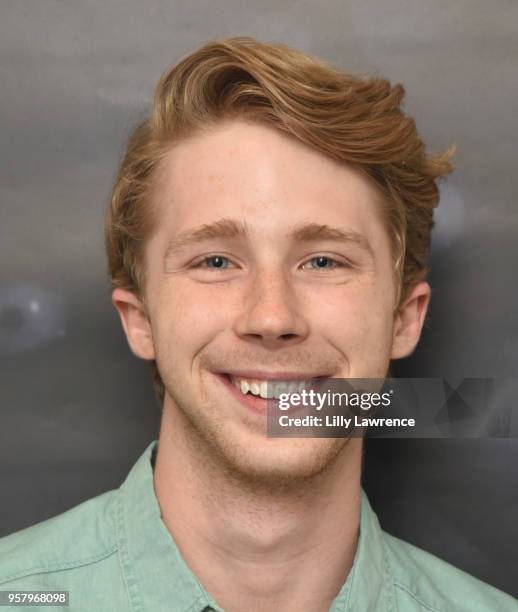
x=258 y=404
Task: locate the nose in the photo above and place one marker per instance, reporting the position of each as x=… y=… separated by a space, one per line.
x=271 y=312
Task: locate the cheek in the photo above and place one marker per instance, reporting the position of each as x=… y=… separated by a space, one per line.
x=357 y=320
x=187 y=321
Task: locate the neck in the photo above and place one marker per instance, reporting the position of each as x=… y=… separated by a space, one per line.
x=258 y=550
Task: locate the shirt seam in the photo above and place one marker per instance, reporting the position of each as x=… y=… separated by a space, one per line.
x=60 y=567
x=200 y=601
x=388 y=573
x=412 y=594
x=130 y=583
x=347 y=595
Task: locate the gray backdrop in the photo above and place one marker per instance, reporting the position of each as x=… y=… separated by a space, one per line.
x=77 y=408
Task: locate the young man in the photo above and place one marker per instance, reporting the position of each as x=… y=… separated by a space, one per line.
x=270 y=222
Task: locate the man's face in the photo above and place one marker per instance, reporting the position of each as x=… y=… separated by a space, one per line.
x=314 y=303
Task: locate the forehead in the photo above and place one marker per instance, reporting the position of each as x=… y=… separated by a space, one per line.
x=268 y=178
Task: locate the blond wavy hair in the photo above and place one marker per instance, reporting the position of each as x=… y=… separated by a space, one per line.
x=355 y=119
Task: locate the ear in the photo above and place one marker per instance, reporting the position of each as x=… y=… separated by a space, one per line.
x=135 y=323
x=409 y=320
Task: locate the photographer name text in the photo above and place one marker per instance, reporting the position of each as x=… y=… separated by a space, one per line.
x=342 y=421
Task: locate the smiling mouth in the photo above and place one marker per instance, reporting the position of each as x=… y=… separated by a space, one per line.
x=271 y=388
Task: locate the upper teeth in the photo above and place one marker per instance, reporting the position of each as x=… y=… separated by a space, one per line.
x=268 y=389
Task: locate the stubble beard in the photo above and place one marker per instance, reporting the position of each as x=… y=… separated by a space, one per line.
x=220 y=456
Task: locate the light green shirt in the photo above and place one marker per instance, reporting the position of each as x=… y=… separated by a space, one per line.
x=114 y=553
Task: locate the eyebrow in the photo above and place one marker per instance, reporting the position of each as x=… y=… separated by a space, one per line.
x=232 y=228
x=316 y=231
x=225 y=228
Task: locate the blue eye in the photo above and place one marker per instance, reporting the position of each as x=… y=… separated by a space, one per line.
x=321 y=262
x=218 y=260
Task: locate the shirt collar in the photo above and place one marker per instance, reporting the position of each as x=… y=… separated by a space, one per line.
x=156 y=574
x=158 y=578
x=370 y=584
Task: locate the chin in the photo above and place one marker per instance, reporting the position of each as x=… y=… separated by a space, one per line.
x=280 y=462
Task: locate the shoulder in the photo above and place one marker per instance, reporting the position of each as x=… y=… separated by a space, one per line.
x=79 y=537
x=425 y=582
